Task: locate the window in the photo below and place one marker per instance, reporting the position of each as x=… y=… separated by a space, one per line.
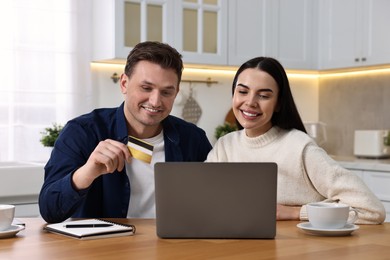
x=45 y=71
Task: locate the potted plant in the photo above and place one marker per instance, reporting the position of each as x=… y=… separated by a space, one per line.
x=50 y=135
x=224 y=129
x=386 y=140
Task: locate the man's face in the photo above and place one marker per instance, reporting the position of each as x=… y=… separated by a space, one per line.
x=149 y=95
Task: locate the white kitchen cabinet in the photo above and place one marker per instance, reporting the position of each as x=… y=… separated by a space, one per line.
x=197 y=29
x=353 y=33
x=20 y=186
x=379 y=184
x=294 y=33
x=212 y=32
x=251 y=26
x=28 y=210
x=283 y=29
x=310 y=34
x=301 y=34
x=118 y=25
x=201 y=31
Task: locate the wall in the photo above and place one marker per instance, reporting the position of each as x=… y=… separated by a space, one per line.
x=353 y=102
x=215 y=100
x=344 y=102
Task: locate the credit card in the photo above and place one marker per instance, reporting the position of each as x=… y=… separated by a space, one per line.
x=140 y=149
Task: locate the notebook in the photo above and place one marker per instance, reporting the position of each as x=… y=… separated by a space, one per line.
x=215 y=200
x=91 y=229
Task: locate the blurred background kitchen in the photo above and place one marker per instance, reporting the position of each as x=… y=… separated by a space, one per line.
x=59 y=60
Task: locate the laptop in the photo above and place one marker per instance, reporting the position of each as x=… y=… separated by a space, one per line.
x=215 y=200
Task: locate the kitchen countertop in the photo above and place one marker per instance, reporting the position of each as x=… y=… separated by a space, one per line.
x=352 y=162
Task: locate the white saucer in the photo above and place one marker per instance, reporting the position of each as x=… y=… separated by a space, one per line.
x=346 y=230
x=11 y=231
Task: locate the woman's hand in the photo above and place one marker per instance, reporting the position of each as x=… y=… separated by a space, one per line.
x=287 y=212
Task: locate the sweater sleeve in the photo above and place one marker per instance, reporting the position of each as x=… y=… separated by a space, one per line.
x=219 y=151
x=340 y=185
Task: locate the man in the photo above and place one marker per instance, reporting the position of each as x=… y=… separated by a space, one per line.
x=93 y=174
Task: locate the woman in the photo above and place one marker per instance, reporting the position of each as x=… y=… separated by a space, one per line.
x=272 y=131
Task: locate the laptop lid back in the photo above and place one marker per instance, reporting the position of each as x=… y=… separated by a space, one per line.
x=215 y=200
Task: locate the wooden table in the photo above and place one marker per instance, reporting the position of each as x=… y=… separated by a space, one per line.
x=368 y=242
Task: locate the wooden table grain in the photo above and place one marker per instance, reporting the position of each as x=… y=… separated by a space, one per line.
x=368 y=242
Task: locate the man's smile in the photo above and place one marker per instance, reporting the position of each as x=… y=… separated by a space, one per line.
x=152 y=110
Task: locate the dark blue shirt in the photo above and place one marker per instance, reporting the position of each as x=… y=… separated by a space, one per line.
x=109 y=194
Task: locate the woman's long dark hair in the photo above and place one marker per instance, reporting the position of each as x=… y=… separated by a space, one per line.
x=287 y=116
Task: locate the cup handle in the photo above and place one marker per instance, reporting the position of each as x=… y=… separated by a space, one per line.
x=355 y=216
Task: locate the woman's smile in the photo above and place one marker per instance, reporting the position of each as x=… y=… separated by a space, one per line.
x=250 y=114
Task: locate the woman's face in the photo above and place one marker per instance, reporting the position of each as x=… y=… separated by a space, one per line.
x=255 y=99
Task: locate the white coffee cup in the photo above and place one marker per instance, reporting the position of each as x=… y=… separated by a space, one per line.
x=326 y=215
x=7 y=213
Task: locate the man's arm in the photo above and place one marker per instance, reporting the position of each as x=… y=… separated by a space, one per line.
x=76 y=161
x=108 y=156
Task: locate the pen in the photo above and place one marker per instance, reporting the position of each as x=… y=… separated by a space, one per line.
x=87 y=225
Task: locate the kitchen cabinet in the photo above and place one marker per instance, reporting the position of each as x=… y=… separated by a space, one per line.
x=27 y=210
x=251 y=24
x=20 y=186
x=301 y=34
x=201 y=31
x=294 y=33
x=376 y=174
x=118 y=25
x=310 y=35
x=245 y=29
x=197 y=29
x=283 y=29
x=379 y=183
x=353 y=33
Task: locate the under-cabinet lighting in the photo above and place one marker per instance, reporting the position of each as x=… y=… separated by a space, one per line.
x=102 y=65
x=355 y=72
x=302 y=74
x=201 y=71
x=231 y=71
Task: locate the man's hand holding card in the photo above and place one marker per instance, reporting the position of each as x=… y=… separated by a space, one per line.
x=140 y=149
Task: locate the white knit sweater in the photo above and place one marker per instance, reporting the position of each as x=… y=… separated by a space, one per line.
x=305 y=172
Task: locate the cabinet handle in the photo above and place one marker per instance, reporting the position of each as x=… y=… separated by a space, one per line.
x=357 y=59
x=364 y=59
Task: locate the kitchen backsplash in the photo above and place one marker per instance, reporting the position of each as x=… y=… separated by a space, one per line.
x=353 y=102
x=344 y=103
x=214 y=100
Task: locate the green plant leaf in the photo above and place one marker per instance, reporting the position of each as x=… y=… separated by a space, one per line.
x=224 y=129
x=50 y=135
x=386 y=140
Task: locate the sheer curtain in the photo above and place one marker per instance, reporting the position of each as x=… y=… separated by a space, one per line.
x=44 y=71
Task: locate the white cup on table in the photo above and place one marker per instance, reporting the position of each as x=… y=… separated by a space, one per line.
x=7 y=213
x=327 y=215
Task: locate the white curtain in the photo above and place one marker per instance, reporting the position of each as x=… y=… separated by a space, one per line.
x=44 y=71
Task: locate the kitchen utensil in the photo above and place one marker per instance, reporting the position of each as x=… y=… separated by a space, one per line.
x=317 y=130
